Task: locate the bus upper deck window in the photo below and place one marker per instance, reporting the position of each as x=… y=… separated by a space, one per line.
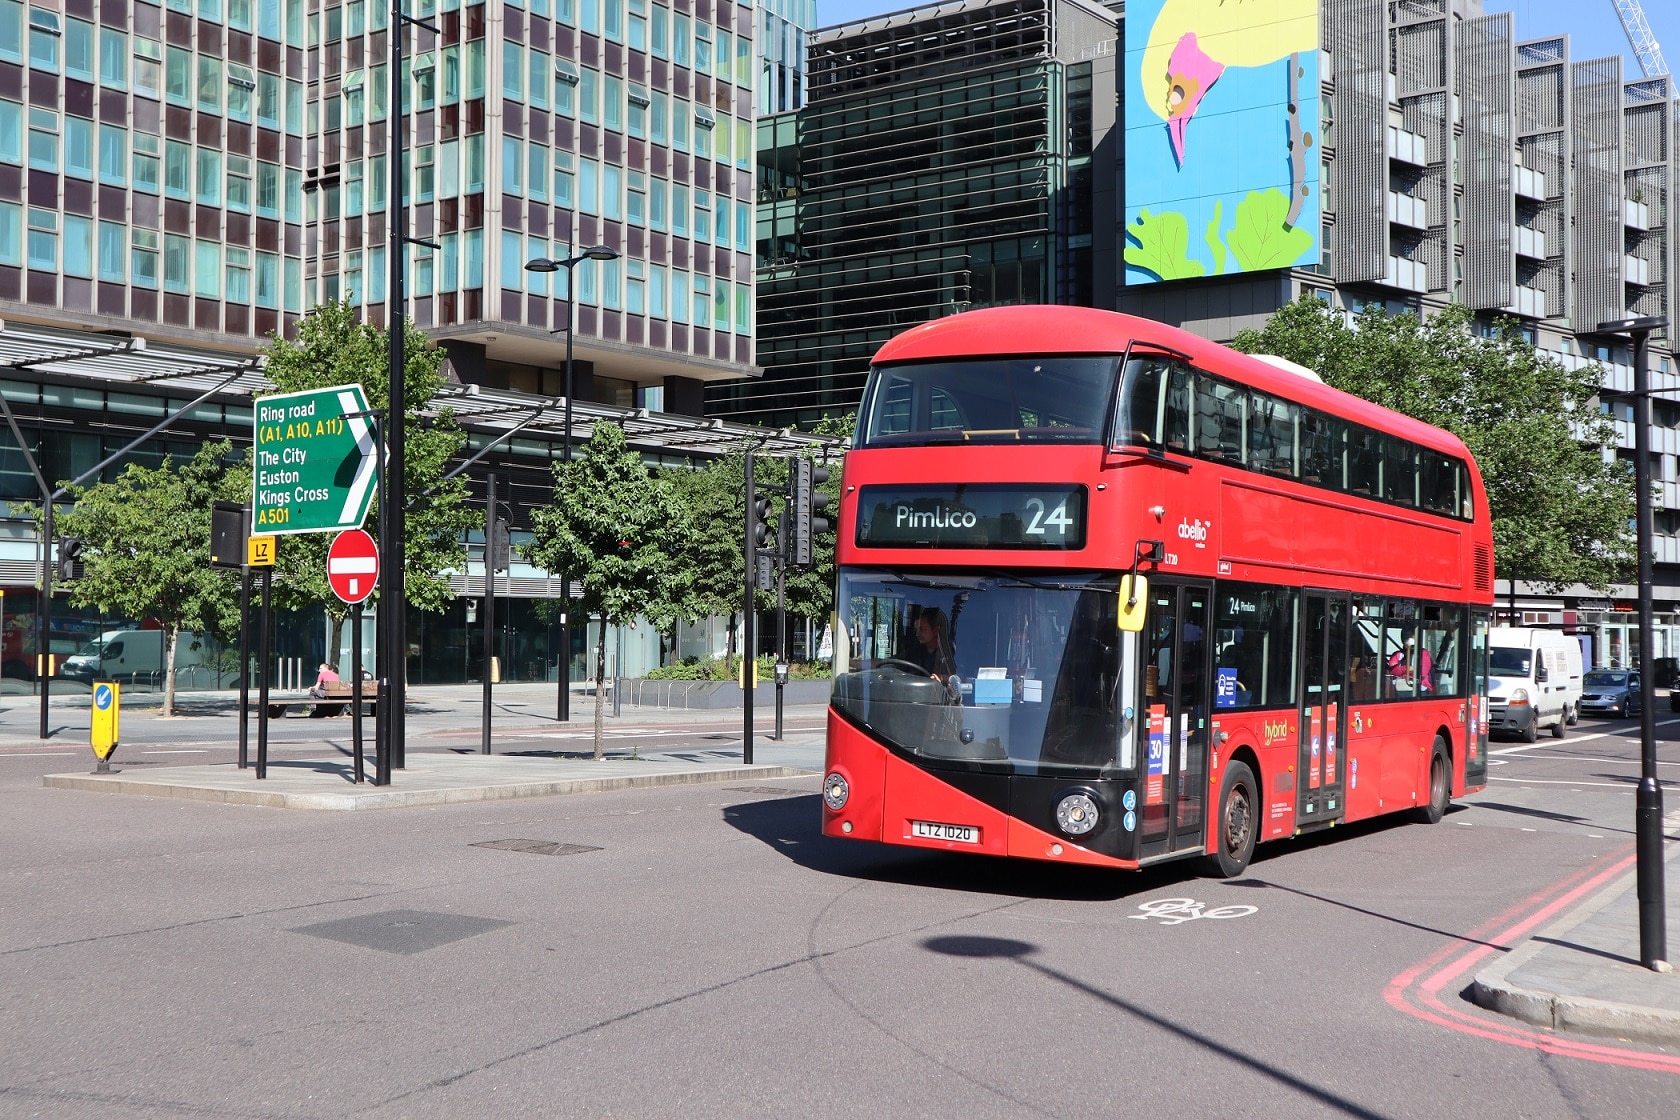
x=1221 y=421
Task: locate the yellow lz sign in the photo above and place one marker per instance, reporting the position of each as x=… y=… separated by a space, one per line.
x=105 y=732
x=260 y=550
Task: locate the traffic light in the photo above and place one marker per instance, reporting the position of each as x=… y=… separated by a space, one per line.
x=760 y=524
x=69 y=552
x=808 y=505
x=500 y=544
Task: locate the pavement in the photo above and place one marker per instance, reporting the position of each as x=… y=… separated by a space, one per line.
x=1583 y=973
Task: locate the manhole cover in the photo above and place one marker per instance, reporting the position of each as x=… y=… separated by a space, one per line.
x=537 y=847
x=402 y=931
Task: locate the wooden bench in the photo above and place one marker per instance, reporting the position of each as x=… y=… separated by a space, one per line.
x=338 y=696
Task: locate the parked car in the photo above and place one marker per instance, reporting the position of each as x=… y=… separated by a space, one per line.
x=1610 y=692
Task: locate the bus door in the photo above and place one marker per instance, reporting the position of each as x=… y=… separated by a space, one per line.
x=1177 y=697
x=1323 y=714
x=1476 y=729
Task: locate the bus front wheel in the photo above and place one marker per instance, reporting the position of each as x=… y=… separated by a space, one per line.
x=1238 y=822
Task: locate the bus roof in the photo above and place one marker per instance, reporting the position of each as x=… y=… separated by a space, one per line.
x=1058 y=329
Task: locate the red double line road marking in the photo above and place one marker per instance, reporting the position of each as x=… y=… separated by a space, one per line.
x=1417 y=991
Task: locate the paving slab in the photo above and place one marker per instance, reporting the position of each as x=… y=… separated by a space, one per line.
x=430 y=779
x=1583 y=972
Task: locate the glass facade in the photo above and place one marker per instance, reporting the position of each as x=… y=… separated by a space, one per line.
x=939 y=165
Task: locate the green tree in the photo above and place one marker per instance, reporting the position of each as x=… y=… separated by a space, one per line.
x=1560 y=505
x=335 y=347
x=713 y=497
x=147 y=538
x=618 y=530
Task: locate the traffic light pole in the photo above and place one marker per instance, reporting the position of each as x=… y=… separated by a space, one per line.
x=489 y=612
x=748 y=654
x=43 y=617
x=781 y=615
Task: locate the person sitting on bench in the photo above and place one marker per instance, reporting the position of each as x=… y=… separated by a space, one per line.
x=323 y=678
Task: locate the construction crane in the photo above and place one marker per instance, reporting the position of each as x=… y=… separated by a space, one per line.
x=1639 y=36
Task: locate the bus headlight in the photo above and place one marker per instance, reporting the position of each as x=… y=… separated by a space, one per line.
x=836 y=791
x=1077 y=813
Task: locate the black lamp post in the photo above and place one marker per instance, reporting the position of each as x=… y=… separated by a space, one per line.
x=547 y=264
x=1648 y=811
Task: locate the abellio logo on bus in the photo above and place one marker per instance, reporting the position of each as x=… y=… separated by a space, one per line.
x=1195 y=530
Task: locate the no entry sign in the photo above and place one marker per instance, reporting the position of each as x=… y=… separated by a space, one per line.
x=353 y=565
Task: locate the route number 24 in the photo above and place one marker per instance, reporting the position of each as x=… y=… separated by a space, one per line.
x=1058 y=520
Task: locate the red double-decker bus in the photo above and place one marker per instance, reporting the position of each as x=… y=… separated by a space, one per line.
x=1112 y=594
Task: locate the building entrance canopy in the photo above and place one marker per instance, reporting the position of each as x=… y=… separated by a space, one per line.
x=114 y=359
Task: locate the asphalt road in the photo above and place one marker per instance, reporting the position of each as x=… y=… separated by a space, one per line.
x=703 y=951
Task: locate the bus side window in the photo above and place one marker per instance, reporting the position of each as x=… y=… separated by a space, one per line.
x=1143 y=401
x=1365 y=660
x=1364 y=463
x=1323 y=450
x=1466 y=499
x=1438 y=484
x=1400 y=470
x=1221 y=420
x=1271 y=435
x=1178 y=407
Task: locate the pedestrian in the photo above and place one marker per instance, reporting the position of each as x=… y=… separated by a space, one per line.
x=325 y=676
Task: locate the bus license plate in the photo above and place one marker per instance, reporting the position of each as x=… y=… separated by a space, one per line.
x=933 y=830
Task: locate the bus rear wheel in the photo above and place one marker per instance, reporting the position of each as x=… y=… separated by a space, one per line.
x=1440 y=785
x=1239 y=825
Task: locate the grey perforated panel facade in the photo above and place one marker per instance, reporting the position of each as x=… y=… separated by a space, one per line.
x=1355 y=34
x=1486 y=93
x=1596 y=137
x=1542 y=115
x=1647 y=110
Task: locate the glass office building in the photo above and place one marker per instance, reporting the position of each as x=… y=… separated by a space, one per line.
x=948 y=157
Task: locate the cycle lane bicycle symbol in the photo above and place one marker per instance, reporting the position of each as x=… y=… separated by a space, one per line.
x=1176 y=911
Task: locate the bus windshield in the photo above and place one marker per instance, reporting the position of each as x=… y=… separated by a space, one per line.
x=1020 y=672
x=1002 y=400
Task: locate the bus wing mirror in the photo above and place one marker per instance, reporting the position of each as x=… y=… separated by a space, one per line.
x=1133 y=600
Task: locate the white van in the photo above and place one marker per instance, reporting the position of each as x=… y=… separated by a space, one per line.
x=1534 y=681
x=128 y=657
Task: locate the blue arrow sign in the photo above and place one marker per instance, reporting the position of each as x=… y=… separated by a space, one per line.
x=102 y=697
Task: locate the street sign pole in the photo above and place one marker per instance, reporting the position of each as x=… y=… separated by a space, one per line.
x=264 y=645
x=356 y=689
x=352 y=573
x=244 y=664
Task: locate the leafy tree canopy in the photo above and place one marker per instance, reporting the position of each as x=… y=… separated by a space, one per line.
x=1560 y=505
x=147 y=540
x=335 y=347
x=620 y=531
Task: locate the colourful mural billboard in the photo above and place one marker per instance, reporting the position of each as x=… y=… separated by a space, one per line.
x=1221 y=116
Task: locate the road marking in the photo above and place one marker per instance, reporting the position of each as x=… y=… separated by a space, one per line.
x=1550 y=782
x=38 y=754
x=1519 y=748
x=1417 y=991
x=1175 y=911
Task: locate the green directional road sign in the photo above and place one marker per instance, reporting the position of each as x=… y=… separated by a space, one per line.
x=315 y=462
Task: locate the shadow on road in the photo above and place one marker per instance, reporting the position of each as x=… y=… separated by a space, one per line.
x=791 y=826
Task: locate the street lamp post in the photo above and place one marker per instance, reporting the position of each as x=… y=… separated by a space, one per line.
x=1648 y=811
x=548 y=264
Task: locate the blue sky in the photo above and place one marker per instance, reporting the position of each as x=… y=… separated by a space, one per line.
x=1592 y=24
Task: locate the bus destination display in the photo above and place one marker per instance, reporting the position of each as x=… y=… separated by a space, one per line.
x=971 y=515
